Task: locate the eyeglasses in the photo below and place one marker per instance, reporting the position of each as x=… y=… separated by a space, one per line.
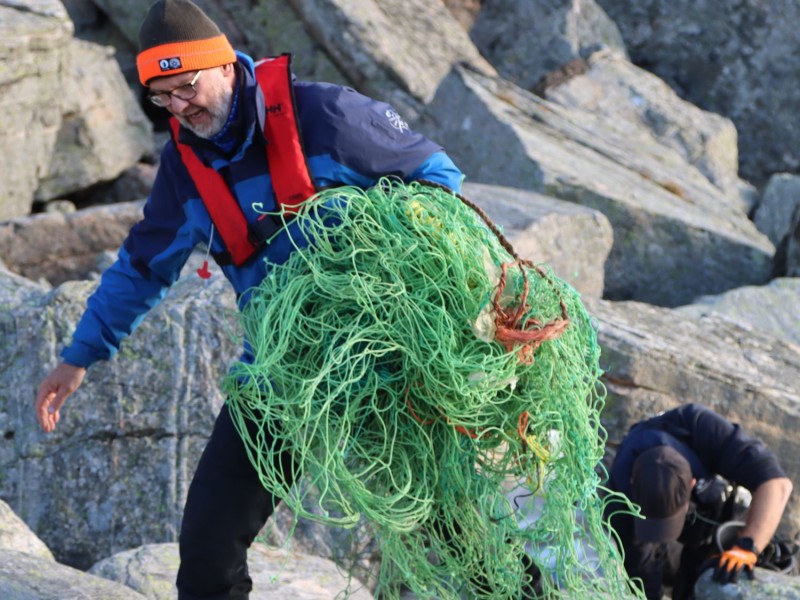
x=182 y=92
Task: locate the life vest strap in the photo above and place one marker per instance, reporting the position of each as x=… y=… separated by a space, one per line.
x=291 y=177
x=292 y=181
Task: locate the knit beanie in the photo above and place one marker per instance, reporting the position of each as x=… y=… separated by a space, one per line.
x=177 y=36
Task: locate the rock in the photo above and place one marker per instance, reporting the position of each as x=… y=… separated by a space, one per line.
x=465 y=11
x=656 y=359
x=676 y=237
x=117 y=469
x=60 y=206
x=27 y=577
x=133 y=184
x=151 y=570
x=766 y=586
x=63 y=247
x=728 y=57
x=355 y=550
x=16 y=535
x=635 y=100
x=103 y=130
x=781 y=198
x=382 y=45
x=527 y=41
x=16 y=292
x=66 y=110
x=573 y=240
x=34 y=52
x=771 y=309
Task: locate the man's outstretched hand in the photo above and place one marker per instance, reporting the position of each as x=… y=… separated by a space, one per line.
x=54 y=390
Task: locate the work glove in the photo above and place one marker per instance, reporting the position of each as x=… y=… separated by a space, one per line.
x=735 y=560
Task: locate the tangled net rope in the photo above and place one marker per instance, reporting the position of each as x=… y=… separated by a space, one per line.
x=422 y=375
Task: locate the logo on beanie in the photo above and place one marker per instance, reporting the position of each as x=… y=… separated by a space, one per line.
x=169 y=64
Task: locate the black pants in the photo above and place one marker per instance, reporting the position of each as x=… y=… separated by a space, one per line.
x=225 y=509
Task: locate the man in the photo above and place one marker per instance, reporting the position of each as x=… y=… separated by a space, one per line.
x=672 y=465
x=250 y=140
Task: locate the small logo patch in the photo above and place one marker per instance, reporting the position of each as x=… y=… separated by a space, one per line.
x=396 y=120
x=169 y=64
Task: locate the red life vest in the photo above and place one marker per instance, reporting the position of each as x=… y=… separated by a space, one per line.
x=292 y=181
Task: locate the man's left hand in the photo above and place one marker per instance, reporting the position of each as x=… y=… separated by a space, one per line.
x=732 y=562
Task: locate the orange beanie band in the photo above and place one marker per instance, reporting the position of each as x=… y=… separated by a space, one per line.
x=177 y=36
x=179 y=57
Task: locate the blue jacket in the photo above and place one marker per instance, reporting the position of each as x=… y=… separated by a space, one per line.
x=349 y=140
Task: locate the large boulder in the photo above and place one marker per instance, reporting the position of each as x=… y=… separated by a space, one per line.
x=771 y=309
x=572 y=240
x=17 y=536
x=116 y=471
x=656 y=359
x=676 y=236
x=27 y=577
x=29 y=572
x=767 y=585
x=729 y=57
x=61 y=247
x=103 y=130
x=35 y=43
x=780 y=200
x=396 y=50
x=613 y=88
x=151 y=570
x=529 y=41
x=67 y=114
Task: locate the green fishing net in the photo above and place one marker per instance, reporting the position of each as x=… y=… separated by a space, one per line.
x=429 y=382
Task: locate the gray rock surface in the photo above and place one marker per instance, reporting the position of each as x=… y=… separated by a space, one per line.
x=573 y=240
x=17 y=536
x=772 y=309
x=103 y=130
x=396 y=50
x=27 y=577
x=641 y=103
x=355 y=550
x=526 y=41
x=34 y=51
x=62 y=247
x=151 y=570
x=729 y=57
x=66 y=110
x=675 y=238
x=767 y=585
x=116 y=471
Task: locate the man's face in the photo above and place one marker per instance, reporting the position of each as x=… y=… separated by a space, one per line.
x=205 y=114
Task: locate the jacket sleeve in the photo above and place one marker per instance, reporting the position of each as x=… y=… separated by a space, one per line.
x=112 y=312
x=149 y=262
x=366 y=139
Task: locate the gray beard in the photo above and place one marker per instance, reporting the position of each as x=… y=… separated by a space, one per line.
x=219 y=116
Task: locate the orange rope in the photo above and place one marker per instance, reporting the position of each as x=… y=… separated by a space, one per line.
x=528 y=335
